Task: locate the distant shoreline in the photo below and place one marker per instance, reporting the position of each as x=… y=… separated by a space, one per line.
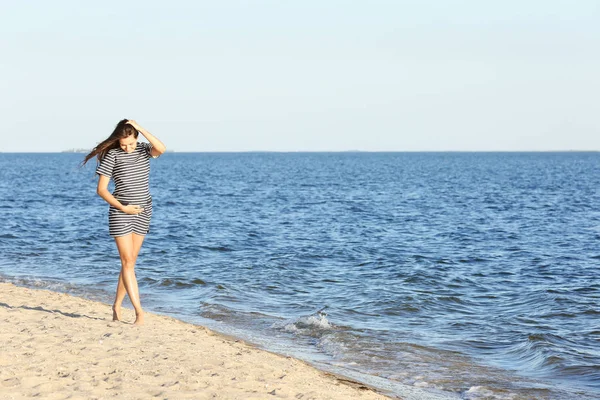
x=81 y=151
x=85 y=151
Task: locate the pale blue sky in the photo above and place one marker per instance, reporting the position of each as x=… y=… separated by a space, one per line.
x=303 y=75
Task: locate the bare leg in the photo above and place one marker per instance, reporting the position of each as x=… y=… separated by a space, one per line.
x=128 y=249
x=121 y=291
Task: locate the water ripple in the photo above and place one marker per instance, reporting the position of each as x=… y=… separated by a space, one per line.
x=474 y=274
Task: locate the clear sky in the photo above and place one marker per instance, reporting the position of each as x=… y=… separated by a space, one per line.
x=305 y=75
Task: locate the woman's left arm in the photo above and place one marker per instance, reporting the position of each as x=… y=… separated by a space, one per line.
x=158 y=147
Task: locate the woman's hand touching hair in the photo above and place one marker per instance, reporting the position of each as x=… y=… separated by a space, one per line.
x=134 y=124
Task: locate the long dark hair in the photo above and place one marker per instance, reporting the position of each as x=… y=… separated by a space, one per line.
x=122 y=130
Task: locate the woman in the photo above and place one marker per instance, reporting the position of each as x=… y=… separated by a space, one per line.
x=125 y=160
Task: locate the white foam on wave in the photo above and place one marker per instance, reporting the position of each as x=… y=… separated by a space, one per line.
x=333 y=345
x=482 y=392
x=39 y=283
x=305 y=324
x=47 y=283
x=319 y=321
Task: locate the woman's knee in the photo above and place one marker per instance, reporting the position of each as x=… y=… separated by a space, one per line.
x=128 y=261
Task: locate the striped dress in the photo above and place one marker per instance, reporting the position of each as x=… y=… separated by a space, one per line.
x=130 y=173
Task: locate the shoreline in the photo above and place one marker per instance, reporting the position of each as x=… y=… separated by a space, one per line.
x=54 y=344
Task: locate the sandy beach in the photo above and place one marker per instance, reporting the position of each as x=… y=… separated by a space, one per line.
x=56 y=346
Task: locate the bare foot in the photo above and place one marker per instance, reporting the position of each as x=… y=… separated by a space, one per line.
x=139 y=318
x=116 y=313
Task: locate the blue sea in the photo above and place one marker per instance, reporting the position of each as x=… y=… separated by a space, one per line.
x=452 y=275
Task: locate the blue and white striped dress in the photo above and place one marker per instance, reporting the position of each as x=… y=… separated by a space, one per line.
x=130 y=173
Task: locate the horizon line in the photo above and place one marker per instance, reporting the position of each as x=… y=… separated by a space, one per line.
x=320 y=151
x=77 y=151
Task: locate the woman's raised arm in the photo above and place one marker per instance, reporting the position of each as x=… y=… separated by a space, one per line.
x=158 y=147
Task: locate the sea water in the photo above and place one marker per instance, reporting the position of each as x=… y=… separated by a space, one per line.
x=460 y=275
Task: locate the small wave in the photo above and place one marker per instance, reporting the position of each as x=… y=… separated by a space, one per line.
x=471 y=260
x=147 y=281
x=592 y=371
x=477 y=392
x=544 y=352
x=216 y=248
x=38 y=283
x=310 y=325
x=176 y=282
x=401 y=309
x=47 y=283
x=544 y=338
x=589 y=289
x=451 y=299
x=487 y=393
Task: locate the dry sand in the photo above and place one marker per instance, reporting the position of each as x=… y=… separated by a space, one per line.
x=55 y=346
